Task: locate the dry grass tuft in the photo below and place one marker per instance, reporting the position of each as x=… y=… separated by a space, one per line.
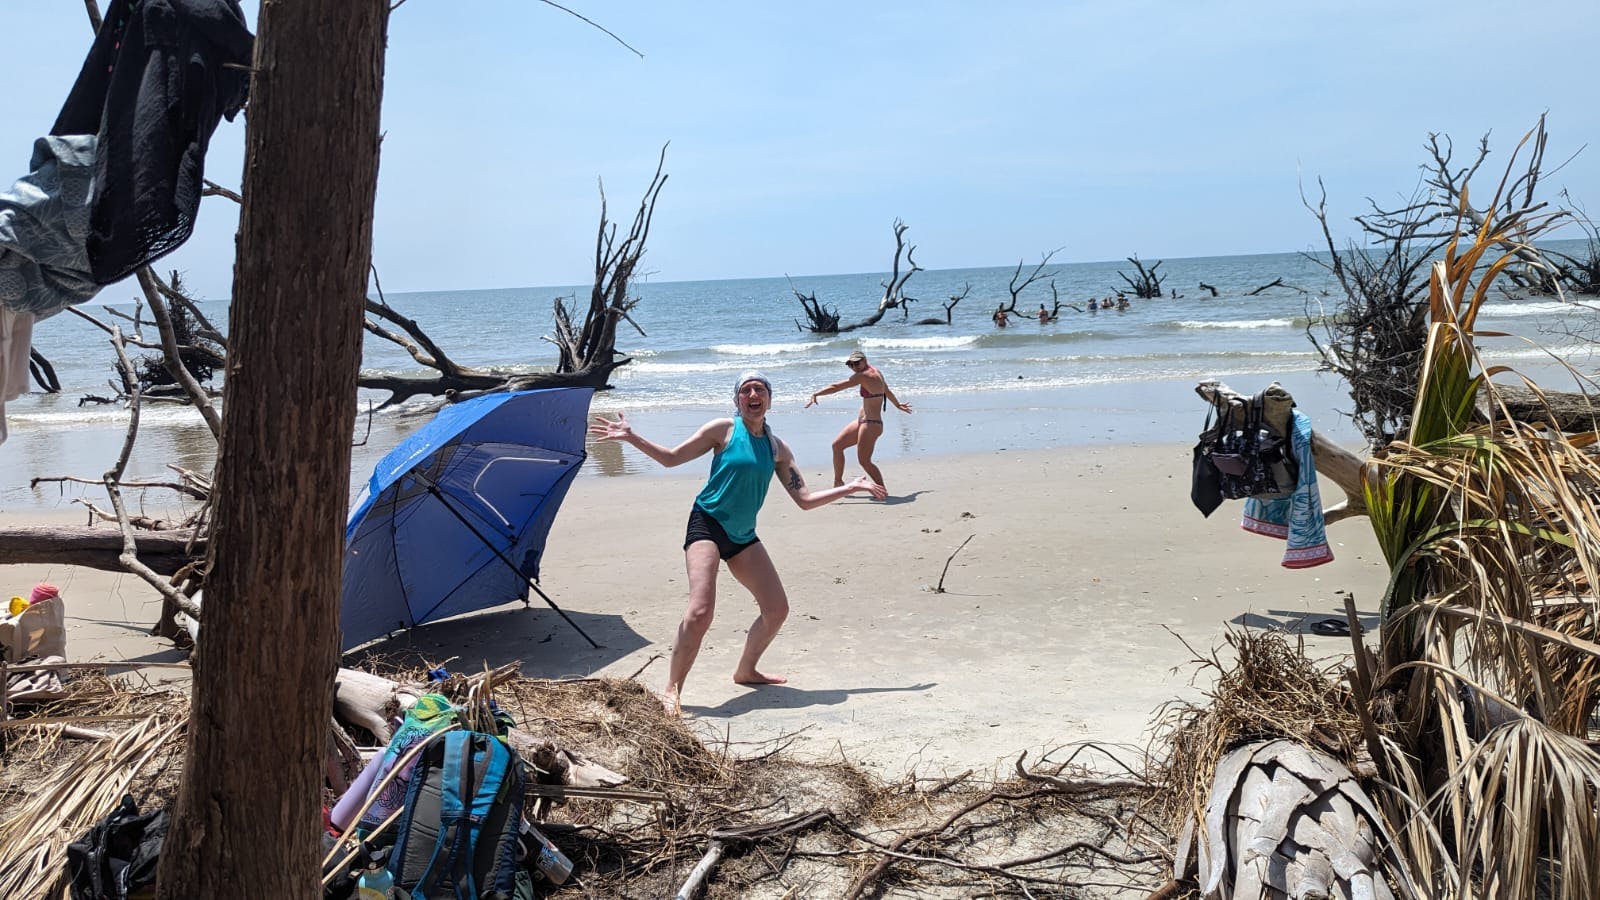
x=1270 y=690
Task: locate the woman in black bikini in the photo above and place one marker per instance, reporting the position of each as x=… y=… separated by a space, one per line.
x=864 y=432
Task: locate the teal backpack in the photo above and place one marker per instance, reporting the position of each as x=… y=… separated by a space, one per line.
x=458 y=835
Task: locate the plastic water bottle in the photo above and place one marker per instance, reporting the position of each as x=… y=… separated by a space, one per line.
x=375 y=884
x=548 y=861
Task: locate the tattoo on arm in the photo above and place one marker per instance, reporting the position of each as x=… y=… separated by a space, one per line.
x=795 y=481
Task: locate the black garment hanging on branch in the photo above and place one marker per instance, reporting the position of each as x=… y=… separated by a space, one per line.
x=154 y=86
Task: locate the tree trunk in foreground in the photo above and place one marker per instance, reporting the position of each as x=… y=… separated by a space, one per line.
x=248 y=814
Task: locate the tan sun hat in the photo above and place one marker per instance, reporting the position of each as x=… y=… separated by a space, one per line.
x=855 y=357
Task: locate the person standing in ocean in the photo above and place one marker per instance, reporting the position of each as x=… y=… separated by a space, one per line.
x=864 y=432
x=722 y=523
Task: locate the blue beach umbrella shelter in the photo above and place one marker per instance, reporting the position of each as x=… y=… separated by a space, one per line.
x=454 y=518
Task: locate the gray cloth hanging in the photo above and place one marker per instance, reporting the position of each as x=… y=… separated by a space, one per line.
x=44 y=226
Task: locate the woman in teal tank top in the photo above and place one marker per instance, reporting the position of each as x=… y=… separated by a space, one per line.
x=722 y=523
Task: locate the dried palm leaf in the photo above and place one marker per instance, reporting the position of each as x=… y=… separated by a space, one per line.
x=1492 y=533
x=33 y=841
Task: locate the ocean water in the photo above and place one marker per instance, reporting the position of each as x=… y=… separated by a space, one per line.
x=1105 y=377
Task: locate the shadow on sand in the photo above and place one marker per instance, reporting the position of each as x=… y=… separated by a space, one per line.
x=896 y=500
x=536 y=637
x=782 y=696
x=1294 y=621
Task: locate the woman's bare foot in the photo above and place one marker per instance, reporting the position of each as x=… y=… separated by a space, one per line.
x=669 y=702
x=754 y=677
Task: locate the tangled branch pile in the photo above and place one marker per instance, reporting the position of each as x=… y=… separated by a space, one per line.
x=769 y=820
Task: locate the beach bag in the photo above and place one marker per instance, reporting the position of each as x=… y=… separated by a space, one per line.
x=458 y=834
x=1205 y=488
x=1251 y=459
x=117 y=859
x=38 y=630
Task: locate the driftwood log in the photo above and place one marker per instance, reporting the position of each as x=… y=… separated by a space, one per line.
x=1334 y=462
x=165 y=552
x=1570 y=412
x=368 y=701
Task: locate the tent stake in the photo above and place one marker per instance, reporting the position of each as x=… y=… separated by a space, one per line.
x=434 y=490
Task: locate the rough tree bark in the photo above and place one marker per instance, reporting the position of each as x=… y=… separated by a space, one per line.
x=248 y=812
x=823 y=320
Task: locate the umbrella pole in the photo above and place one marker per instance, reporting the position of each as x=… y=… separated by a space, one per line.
x=434 y=490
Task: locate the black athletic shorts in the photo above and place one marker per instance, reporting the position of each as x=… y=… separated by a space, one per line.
x=704 y=527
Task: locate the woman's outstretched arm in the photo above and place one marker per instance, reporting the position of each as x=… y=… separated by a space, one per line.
x=795 y=483
x=711 y=435
x=834 y=388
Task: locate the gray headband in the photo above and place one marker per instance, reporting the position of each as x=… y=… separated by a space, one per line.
x=747 y=377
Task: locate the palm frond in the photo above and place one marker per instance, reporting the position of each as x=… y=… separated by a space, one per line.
x=1491 y=626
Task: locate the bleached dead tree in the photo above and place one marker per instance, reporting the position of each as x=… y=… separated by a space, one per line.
x=1018 y=283
x=1433 y=212
x=1148 y=285
x=825 y=320
x=1373 y=337
x=949 y=308
x=1580 y=274
x=586 y=355
x=589 y=354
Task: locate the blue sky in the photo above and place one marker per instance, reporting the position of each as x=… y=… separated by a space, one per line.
x=799 y=132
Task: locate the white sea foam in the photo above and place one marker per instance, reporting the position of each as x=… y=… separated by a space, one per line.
x=767 y=349
x=1573 y=353
x=927 y=343
x=700 y=368
x=1154 y=357
x=1534 y=308
x=1239 y=323
x=100 y=414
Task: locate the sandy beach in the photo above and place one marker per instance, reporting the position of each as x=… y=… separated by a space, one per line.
x=1063 y=619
